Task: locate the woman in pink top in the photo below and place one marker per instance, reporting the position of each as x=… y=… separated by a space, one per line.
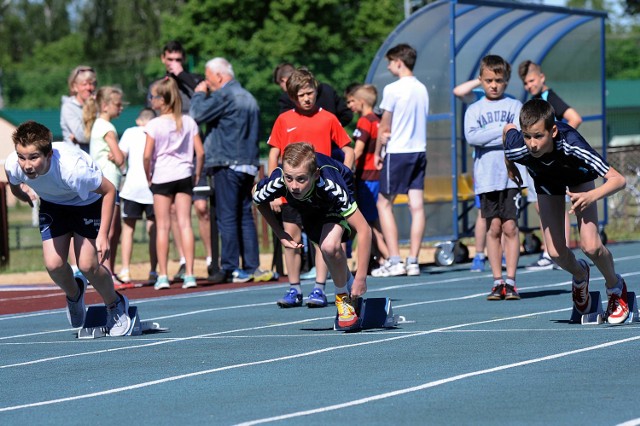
x=172 y=139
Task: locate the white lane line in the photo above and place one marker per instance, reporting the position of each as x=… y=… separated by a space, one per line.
x=316 y=352
x=434 y=383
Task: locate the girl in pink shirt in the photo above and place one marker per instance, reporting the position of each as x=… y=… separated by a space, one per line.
x=172 y=139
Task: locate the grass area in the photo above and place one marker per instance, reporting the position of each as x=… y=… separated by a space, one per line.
x=25 y=244
x=26 y=249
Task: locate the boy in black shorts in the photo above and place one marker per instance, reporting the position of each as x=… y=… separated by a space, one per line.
x=562 y=163
x=321 y=189
x=76 y=201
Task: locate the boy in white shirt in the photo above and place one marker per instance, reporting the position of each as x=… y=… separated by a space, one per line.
x=75 y=201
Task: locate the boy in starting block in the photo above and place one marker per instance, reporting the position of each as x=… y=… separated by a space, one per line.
x=321 y=189
x=76 y=201
x=561 y=162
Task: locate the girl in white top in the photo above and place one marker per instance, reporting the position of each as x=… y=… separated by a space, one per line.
x=172 y=139
x=103 y=147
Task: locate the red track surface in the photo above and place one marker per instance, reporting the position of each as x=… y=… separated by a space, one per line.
x=24 y=300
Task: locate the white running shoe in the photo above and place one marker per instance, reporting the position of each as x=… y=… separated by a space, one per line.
x=76 y=311
x=389 y=270
x=118 y=320
x=413 y=269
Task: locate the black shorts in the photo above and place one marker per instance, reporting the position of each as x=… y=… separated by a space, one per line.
x=134 y=210
x=172 y=188
x=290 y=214
x=505 y=204
x=57 y=220
x=313 y=225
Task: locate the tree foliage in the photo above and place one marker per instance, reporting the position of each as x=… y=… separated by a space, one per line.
x=337 y=39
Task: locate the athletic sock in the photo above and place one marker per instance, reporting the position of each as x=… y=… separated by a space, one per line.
x=394 y=259
x=411 y=260
x=296 y=286
x=510 y=281
x=319 y=285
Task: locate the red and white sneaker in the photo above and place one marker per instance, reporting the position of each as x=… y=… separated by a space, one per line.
x=618 y=307
x=580 y=291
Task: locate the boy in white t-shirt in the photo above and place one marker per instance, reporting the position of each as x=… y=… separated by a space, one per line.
x=75 y=201
x=403 y=133
x=136 y=197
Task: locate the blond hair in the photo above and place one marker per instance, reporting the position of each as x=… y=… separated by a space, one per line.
x=167 y=89
x=94 y=105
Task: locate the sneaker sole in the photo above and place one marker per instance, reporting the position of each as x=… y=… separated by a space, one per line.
x=265 y=278
x=494 y=297
x=539 y=268
x=162 y=286
x=190 y=285
x=288 y=305
x=311 y=304
x=512 y=298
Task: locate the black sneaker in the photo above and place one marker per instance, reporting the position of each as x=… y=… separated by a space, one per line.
x=218 y=277
x=511 y=293
x=497 y=292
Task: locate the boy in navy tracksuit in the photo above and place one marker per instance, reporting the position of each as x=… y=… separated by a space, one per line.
x=562 y=163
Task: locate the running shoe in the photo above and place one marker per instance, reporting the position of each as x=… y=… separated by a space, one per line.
x=189 y=282
x=309 y=275
x=124 y=276
x=317 y=299
x=162 y=283
x=580 y=291
x=118 y=321
x=291 y=299
x=543 y=263
x=153 y=277
x=260 y=275
x=477 y=264
x=240 y=276
x=347 y=316
x=389 y=270
x=179 y=276
x=618 y=307
x=413 y=269
x=76 y=312
x=511 y=292
x=497 y=292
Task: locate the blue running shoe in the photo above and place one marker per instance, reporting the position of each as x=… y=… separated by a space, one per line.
x=76 y=311
x=291 y=299
x=240 y=276
x=477 y=265
x=317 y=299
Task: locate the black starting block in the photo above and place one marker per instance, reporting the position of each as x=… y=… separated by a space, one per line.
x=372 y=313
x=95 y=324
x=596 y=314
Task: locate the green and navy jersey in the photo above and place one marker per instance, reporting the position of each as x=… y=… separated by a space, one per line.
x=572 y=162
x=332 y=192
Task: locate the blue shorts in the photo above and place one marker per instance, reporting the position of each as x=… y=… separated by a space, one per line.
x=367 y=197
x=402 y=172
x=57 y=220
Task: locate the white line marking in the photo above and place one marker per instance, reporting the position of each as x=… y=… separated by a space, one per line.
x=435 y=383
x=324 y=350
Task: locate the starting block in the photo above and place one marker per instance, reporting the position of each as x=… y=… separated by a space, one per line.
x=633 y=308
x=595 y=314
x=95 y=324
x=372 y=313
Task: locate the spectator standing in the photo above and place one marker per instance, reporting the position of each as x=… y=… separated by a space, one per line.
x=403 y=134
x=232 y=119
x=499 y=196
x=361 y=100
x=305 y=123
x=82 y=85
x=97 y=114
x=172 y=141
x=136 y=197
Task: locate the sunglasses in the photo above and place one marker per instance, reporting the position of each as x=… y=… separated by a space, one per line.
x=81 y=70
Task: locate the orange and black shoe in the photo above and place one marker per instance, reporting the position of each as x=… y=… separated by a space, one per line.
x=347 y=316
x=618 y=306
x=511 y=292
x=498 y=291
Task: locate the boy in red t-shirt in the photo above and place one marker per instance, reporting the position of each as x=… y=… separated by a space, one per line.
x=305 y=123
x=361 y=100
